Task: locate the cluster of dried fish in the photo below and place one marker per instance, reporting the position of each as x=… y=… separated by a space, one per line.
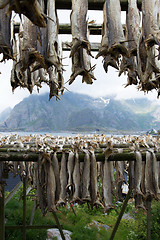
x=5 y=34
x=133 y=49
x=144 y=178
x=37 y=53
x=61 y=176
x=80 y=48
x=113 y=40
x=31 y=9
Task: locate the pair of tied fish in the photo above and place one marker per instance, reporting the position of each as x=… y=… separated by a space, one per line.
x=113 y=40
x=30 y=9
x=137 y=45
x=37 y=53
x=144 y=178
x=80 y=48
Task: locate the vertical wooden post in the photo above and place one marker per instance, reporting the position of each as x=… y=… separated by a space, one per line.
x=24 y=208
x=2 y=212
x=59 y=226
x=121 y=214
x=148 y=206
x=33 y=212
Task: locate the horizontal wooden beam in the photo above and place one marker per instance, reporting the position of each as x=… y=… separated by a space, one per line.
x=33 y=157
x=94 y=46
x=93 y=4
x=95 y=29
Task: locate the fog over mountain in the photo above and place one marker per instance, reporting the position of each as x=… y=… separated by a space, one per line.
x=78 y=112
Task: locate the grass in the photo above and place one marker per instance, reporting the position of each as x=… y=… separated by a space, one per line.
x=83 y=224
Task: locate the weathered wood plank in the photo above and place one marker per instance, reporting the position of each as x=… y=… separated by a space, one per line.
x=33 y=157
x=93 y=4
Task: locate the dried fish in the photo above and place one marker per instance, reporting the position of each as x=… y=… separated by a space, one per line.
x=5 y=34
x=119 y=177
x=55 y=165
x=86 y=178
x=116 y=39
x=94 y=192
x=53 y=49
x=150 y=22
x=70 y=167
x=51 y=187
x=76 y=179
x=107 y=182
x=40 y=182
x=79 y=26
x=30 y=8
x=148 y=177
x=133 y=27
x=103 y=51
x=80 y=49
x=138 y=195
x=155 y=176
x=63 y=180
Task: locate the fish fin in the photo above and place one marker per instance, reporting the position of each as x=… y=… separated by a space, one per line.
x=75 y=74
x=102 y=52
x=118 y=48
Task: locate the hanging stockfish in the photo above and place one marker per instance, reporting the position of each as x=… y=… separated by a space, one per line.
x=76 y=179
x=56 y=81
x=148 y=177
x=155 y=176
x=63 y=180
x=80 y=48
x=50 y=186
x=5 y=34
x=103 y=51
x=119 y=165
x=116 y=38
x=70 y=168
x=133 y=31
x=41 y=181
x=107 y=183
x=86 y=177
x=30 y=8
x=94 y=192
x=133 y=27
x=150 y=11
x=55 y=166
x=131 y=175
x=14 y=80
x=138 y=195
x=147 y=66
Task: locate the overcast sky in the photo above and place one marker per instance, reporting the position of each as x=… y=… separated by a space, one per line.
x=106 y=84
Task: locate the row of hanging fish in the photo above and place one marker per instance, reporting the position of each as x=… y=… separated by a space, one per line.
x=36 y=52
x=132 y=49
x=66 y=179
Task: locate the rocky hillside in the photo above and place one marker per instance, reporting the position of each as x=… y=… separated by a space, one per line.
x=81 y=112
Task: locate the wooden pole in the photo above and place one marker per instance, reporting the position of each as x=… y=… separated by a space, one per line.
x=121 y=214
x=24 y=208
x=2 y=212
x=33 y=157
x=148 y=206
x=93 y=4
x=33 y=212
x=11 y=194
x=59 y=226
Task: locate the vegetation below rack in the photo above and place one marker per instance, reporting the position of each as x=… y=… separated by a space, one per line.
x=87 y=224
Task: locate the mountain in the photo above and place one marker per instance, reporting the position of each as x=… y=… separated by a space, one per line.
x=5 y=114
x=81 y=112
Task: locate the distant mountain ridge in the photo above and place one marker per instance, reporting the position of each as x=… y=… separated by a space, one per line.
x=78 y=112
